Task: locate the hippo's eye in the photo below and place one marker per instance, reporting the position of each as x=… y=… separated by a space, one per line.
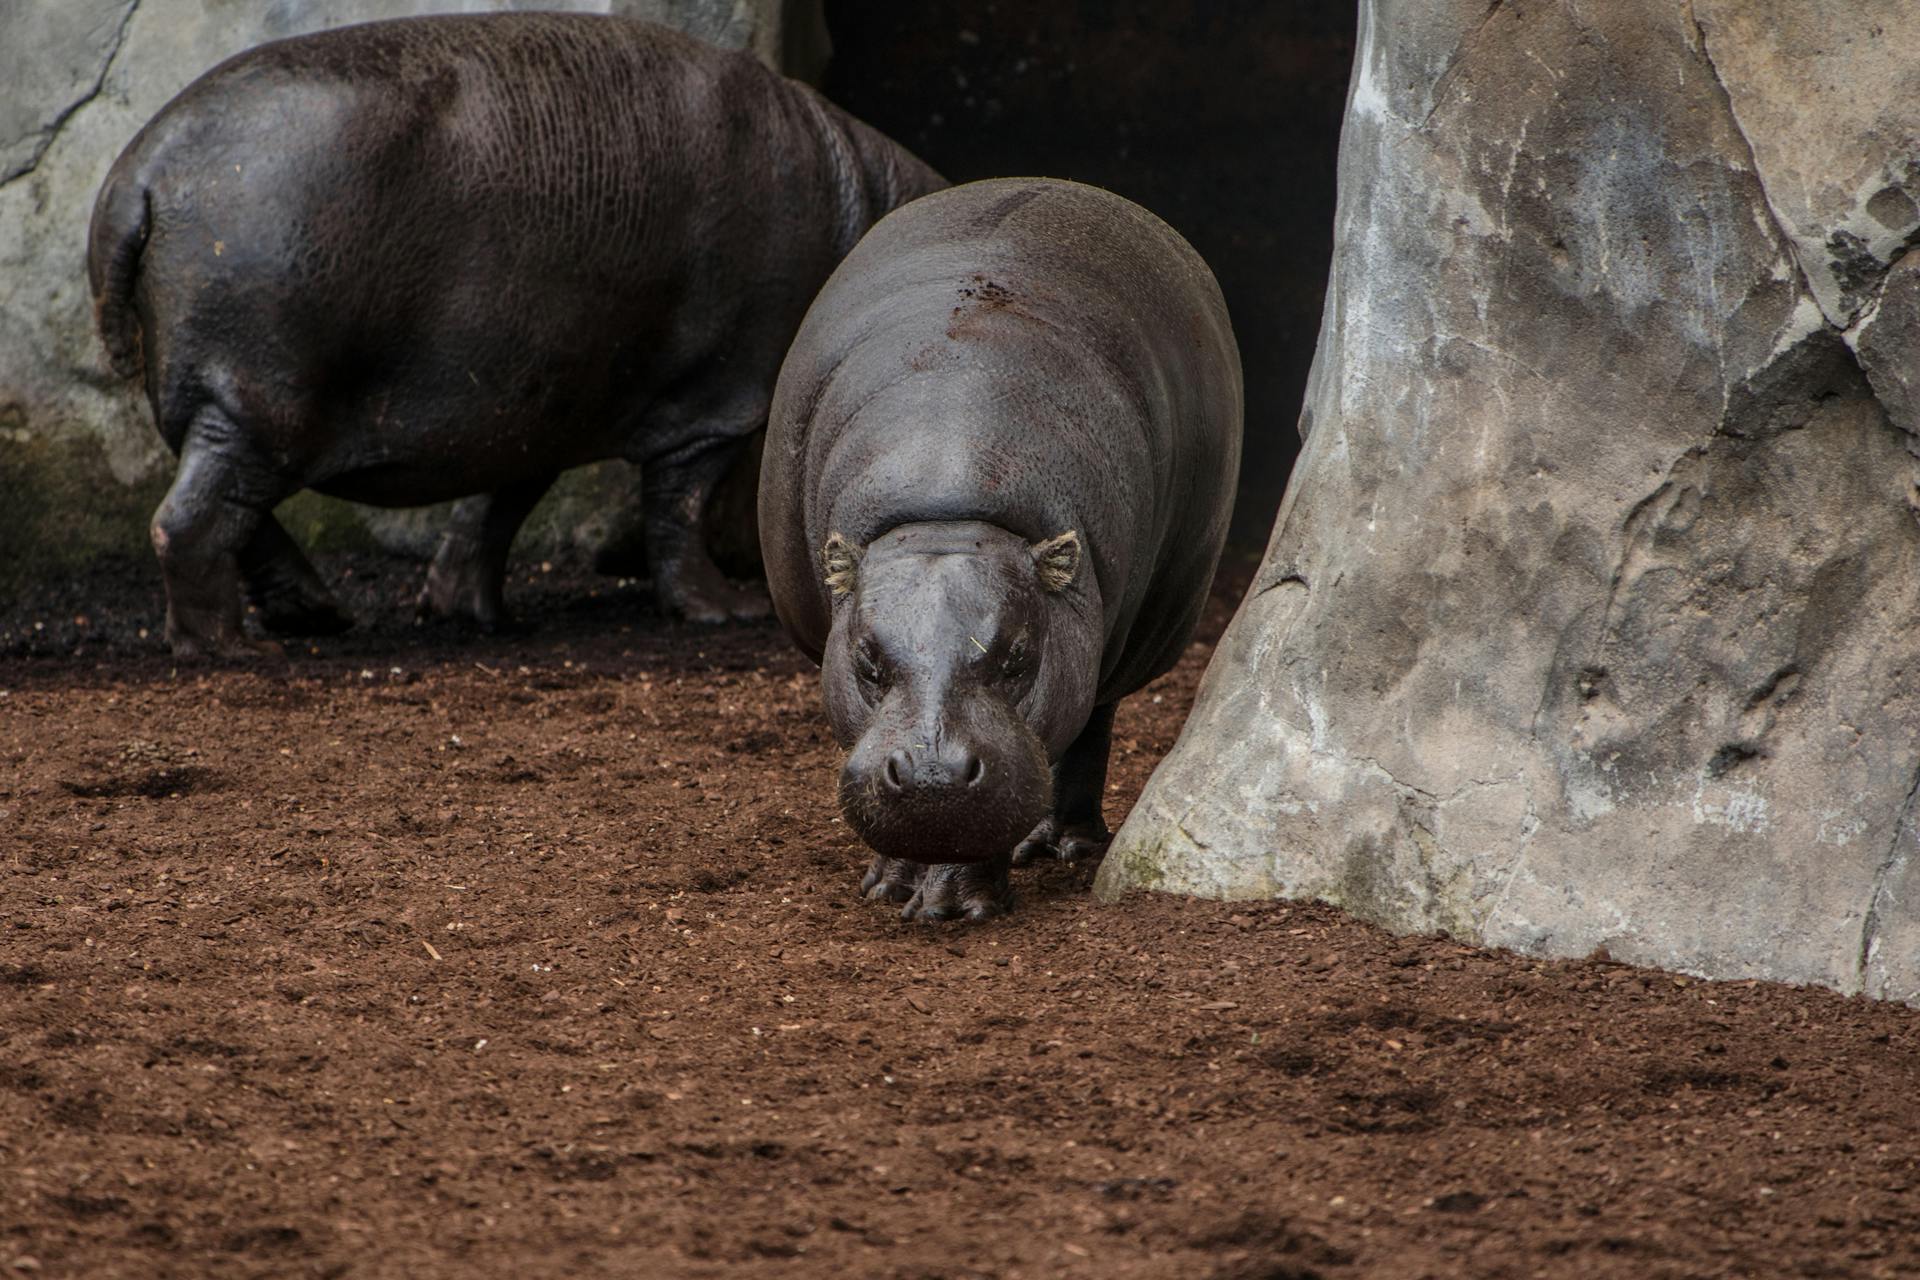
x=866 y=664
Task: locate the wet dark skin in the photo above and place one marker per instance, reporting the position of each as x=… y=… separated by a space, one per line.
x=997 y=478
x=449 y=258
x=960 y=662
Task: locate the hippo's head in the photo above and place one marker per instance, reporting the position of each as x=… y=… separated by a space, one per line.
x=962 y=660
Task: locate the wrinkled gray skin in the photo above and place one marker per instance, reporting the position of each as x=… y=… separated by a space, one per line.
x=997 y=479
x=418 y=260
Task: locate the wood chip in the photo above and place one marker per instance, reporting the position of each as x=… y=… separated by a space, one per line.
x=429 y=947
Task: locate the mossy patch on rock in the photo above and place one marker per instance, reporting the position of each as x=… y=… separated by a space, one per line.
x=60 y=507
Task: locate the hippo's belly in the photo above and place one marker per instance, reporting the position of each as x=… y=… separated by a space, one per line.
x=436 y=446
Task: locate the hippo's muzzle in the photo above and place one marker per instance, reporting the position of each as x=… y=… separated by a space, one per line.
x=948 y=792
x=905 y=774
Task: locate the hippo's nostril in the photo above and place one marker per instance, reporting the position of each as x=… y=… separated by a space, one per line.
x=897 y=771
x=973 y=769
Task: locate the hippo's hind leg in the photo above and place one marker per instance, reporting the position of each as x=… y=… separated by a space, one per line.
x=962 y=890
x=469 y=571
x=284 y=587
x=220 y=497
x=675 y=489
x=1075 y=829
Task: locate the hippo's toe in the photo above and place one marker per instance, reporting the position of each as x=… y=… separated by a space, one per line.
x=1038 y=845
x=1068 y=841
x=225 y=646
x=718 y=601
x=891 y=879
x=955 y=891
x=1080 y=843
x=455 y=589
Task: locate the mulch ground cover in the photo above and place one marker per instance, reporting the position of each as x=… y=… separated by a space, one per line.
x=422 y=954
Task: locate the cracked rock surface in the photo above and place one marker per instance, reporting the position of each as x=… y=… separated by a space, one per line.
x=52 y=60
x=1589 y=619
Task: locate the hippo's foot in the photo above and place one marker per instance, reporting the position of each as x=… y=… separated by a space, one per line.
x=709 y=598
x=462 y=590
x=302 y=614
x=961 y=890
x=469 y=570
x=1066 y=841
x=283 y=586
x=220 y=645
x=891 y=879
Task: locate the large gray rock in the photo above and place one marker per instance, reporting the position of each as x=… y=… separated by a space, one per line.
x=1590 y=617
x=81 y=466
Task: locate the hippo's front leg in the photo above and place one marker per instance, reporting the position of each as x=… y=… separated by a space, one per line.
x=675 y=489
x=1076 y=829
x=962 y=890
x=944 y=891
x=469 y=571
x=219 y=498
x=891 y=879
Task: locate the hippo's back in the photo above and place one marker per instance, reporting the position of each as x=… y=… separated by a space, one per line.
x=544 y=220
x=1034 y=353
x=551 y=125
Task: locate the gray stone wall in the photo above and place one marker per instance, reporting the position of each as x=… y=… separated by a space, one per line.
x=1589 y=618
x=81 y=467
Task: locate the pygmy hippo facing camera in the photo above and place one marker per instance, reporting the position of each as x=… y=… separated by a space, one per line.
x=998 y=474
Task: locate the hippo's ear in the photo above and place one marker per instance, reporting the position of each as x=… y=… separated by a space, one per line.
x=1057 y=559
x=840 y=564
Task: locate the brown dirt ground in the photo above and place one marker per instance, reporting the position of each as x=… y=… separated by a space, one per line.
x=427 y=956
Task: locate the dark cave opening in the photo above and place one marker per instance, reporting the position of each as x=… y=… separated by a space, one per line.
x=1221 y=116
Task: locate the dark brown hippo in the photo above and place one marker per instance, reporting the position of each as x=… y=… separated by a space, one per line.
x=997 y=478
x=417 y=260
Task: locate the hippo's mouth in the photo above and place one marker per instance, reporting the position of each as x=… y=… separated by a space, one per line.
x=976 y=826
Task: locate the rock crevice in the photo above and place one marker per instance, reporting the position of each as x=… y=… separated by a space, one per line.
x=36 y=140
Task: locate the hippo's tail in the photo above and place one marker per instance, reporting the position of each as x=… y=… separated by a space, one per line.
x=122 y=218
